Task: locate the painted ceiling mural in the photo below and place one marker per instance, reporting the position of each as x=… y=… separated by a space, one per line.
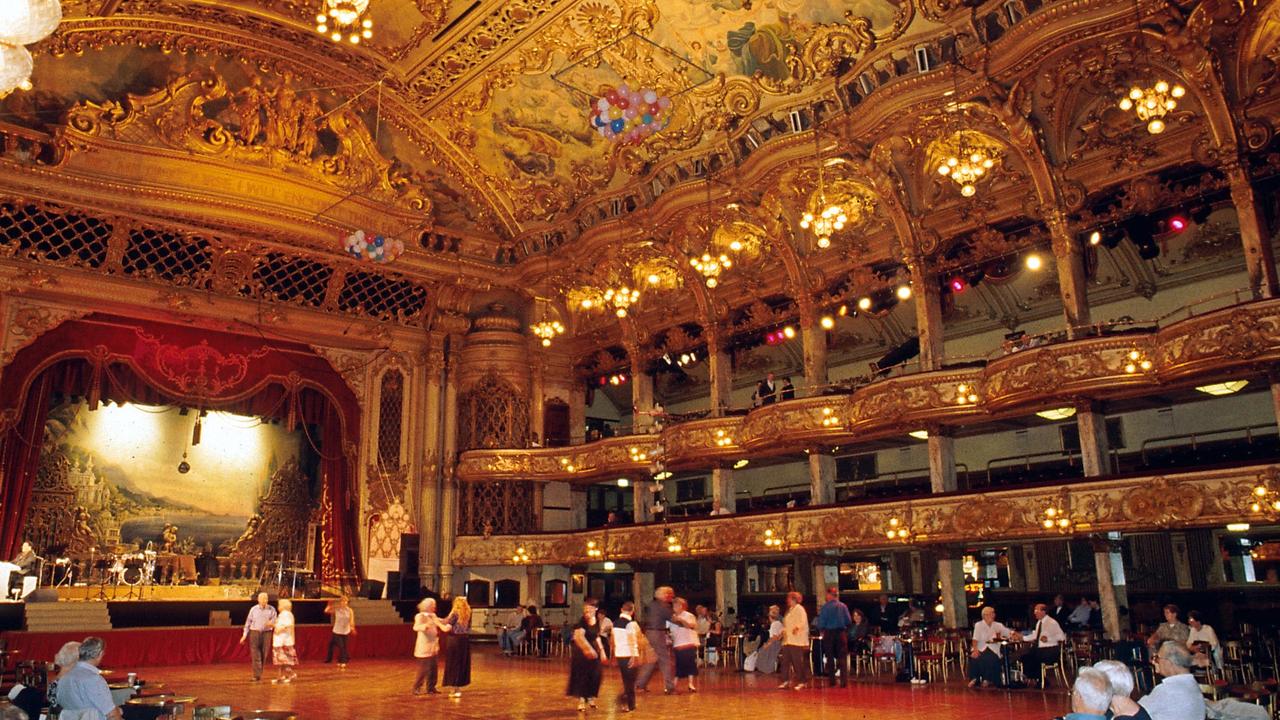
x=527 y=122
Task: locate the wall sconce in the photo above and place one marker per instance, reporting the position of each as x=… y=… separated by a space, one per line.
x=673 y=543
x=521 y=556
x=567 y=465
x=898 y=529
x=772 y=540
x=1265 y=496
x=1136 y=362
x=966 y=394
x=829 y=418
x=1055 y=517
x=594 y=550
x=723 y=439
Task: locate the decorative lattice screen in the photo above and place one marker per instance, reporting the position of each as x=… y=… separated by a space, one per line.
x=390 y=411
x=492 y=414
x=67 y=238
x=290 y=279
x=381 y=297
x=501 y=508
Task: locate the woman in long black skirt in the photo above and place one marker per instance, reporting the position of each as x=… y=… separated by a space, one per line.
x=587 y=655
x=457 y=648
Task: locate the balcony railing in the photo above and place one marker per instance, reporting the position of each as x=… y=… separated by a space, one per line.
x=1212 y=345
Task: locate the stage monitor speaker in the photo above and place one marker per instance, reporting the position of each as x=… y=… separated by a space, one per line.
x=409 y=556
x=371 y=589
x=410 y=589
x=43 y=595
x=393 y=585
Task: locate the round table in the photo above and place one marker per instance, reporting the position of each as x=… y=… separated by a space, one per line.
x=266 y=715
x=162 y=700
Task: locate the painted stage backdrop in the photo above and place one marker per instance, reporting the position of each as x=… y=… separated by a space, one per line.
x=109 y=479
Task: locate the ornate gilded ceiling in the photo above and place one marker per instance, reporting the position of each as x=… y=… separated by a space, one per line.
x=464 y=127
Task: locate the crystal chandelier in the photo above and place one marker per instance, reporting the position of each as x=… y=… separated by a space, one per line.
x=621 y=298
x=547 y=330
x=343 y=19
x=826 y=224
x=23 y=22
x=1153 y=103
x=966 y=163
x=711 y=267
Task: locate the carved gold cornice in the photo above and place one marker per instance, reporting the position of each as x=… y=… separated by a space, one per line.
x=1183 y=500
x=1228 y=342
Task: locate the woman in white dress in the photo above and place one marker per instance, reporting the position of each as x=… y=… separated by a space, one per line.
x=283 y=651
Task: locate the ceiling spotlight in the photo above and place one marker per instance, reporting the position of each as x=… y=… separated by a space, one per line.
x=843 y=311
x=827 y=322
x=1095 y=237
x=957 y=284
x=864 y=304
x=788 y=332
x=1034 y=261
x=904 y=292
x=653 y=278
x=1177 y=224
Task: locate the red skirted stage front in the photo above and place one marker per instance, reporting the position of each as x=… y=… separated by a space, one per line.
x=159 y=647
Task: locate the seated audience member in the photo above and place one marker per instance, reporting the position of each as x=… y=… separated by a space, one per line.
x=1177 y=697
x=1060 y=612
x=1090 y=696
x=1171 y=630
x=885 y=616
x=1081 y=617
x=860 y=633
x=531 y=626
x=1120 y=676
x=1203 y=641
x=512 y=632
x=1046 y=638
x=985 y=666
x=83 y=687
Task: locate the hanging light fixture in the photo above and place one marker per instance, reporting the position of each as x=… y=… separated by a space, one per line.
x=966 y=162
x=621 y=298
x=711 y=267
x=830 y=218
x=23 y=22
x=344 y=20
x=1151 y=104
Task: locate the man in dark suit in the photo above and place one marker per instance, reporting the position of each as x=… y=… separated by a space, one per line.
x=767 y=390
x=1060 y=611
x=885 y=616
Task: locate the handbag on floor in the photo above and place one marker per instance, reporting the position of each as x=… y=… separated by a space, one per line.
x=749 y=664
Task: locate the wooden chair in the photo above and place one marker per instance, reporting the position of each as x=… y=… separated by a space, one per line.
x=931 y=662
x=1059 y=666
x=882 y=653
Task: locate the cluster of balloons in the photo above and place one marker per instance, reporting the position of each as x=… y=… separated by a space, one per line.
x=373 y=247
x=625 y=115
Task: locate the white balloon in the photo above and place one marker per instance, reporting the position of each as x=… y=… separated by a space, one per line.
x=15 y=68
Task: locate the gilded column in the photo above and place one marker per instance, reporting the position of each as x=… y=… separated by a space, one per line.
x=577 y=414
x=720 y=369
x=942 y=445
x=538 y=396
x=429 y=479
x=1092 y=426
x=1258 y=256
x=642 y=500
x=814 y=339
x=641 y=393
x=727 y=595
x=1110 y=594
x=724 y=491
x=449 y=459
x=538 y=491
x=1072 y=284
x=822 y=478
x=533 y=581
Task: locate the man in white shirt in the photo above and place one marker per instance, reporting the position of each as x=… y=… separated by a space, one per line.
x=985 y=665
x=1047 y=637
x=795 y=643
x=82 y=687
x=626 y=647
x=1177 y=697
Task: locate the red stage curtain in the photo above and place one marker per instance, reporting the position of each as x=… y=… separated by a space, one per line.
x=159 y=647
x=108 y=358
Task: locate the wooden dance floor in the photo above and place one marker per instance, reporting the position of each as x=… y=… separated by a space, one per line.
x=533 y=688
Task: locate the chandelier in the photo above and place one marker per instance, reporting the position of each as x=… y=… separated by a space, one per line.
x=547 y=330
x=966 y=163
x=621 y=298
x=826 y=223
x=23 y=22
x=1153 y=103
x=711 y=267
x=342 y=19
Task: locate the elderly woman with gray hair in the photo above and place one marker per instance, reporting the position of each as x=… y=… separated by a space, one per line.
x=1090 y=696
x=1121 y=678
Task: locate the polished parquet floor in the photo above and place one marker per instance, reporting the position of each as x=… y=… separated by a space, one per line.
x=534 y=688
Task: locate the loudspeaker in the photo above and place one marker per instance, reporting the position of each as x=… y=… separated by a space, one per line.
x=43 y=595
x=409 y=556
x=410 y=589
x=371 y=589
x=393 y=585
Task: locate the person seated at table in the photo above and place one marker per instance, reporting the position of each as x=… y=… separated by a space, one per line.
x=1046 y=639
x=1171 y=630
x=986 y=664
x=66 y=658
x=531 y=626
x=860 y=632
x=885 y=616
x=512 y=632
x=1059 y=611
x=1081 y=617
x=1121 y=678
x=1203 y=641
x=1177 y=697
x=83 y=687
x=1090 y=696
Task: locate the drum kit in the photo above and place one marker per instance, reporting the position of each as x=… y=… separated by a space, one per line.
x=134 y=570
